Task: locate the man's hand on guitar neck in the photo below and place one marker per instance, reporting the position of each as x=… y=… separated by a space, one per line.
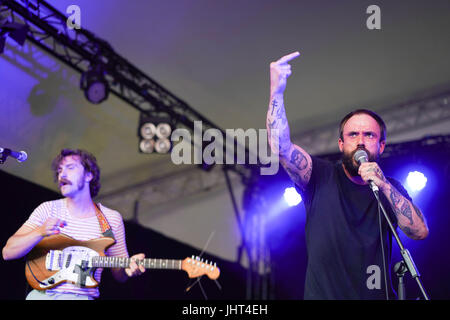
x=134 y=269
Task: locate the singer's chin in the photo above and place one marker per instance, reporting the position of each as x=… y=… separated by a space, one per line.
x=350 y=164
x=352 y=167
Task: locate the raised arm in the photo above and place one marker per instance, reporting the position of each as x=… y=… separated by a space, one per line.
x=296 y=161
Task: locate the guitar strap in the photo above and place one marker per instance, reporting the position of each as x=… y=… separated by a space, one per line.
x=104 y=225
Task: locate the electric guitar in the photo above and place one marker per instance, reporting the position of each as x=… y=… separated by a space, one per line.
x=59 y=258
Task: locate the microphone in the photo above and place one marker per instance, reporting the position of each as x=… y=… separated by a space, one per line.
x=361 y=157
x=19 y=156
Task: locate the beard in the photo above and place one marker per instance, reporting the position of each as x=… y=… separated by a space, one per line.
x=351 y=165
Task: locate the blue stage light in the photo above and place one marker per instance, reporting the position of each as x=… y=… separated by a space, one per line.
x=416 y=181
x=292 y=197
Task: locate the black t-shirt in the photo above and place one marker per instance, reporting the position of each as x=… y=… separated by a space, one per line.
x=343 y=236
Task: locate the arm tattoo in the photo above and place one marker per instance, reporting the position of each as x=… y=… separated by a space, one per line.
x=409 y=231
x=395 y=197
x=419 y=213
x=299 y=160
x=406 y=211
x=307 y=175
x=274 y=105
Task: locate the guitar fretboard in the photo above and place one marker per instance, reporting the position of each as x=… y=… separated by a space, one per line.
x=119 y=262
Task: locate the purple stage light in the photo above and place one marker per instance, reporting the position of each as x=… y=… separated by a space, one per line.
x=416 y=181
x=292 y=197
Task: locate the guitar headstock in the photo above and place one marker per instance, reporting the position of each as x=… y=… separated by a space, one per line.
x=196 y=267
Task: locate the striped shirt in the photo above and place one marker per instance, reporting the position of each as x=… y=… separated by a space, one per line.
x=81 y=229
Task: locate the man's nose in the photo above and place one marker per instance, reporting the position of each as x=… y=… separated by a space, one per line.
x=62 y=173
x=361 y=139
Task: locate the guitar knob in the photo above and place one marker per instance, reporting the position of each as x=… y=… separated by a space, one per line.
x=51 y=281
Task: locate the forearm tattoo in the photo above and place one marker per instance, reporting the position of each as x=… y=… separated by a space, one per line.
x=276 y=119
x=274 y=105
x=405 y=208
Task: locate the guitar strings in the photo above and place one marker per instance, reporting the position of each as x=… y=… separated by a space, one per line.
x=207 y=243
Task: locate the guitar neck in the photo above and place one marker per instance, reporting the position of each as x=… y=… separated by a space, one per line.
x=119 y=262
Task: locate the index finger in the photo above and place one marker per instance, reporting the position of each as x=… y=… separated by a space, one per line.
x=289 y=57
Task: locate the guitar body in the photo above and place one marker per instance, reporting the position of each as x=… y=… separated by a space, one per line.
x=59 y=258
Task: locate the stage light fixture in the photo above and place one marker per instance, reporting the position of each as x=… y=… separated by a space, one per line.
x=163 y=145
x=148 y=130
x=94 y=85
x=154 y=133
x=163 y=130
x=16 y=31
x=416 y=180
x=147 y=145
x=292 y=197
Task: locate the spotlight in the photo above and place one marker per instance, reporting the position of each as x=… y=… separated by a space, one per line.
x=154 y=133
x=94 y=85
x=292 y=197
x=163 y=130
x=416 y=180
x=162 y=145
x=148 y=130
x=17 y=31
x=147 y=145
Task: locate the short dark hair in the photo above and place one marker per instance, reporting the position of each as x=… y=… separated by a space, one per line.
x=368 y=112
x=89 y=163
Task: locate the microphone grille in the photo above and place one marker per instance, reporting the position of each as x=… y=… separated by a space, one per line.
x=359 y=155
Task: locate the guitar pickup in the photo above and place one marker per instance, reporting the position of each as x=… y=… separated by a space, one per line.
x=53 y=260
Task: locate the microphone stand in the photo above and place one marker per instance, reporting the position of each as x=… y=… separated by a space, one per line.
x=400 y=270
x=407 y=258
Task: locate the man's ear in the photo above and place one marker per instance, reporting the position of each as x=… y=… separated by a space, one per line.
x=341 y=144
x=382 y=146
x=88 y=176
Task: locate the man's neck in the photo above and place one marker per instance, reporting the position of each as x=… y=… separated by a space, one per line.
x=81 y=206
x=354 y=179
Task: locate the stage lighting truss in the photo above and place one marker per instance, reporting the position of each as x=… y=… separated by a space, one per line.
x=80 y=49
x=94 y=85
x=154 y=133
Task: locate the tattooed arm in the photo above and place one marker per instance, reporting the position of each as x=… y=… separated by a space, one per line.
x=409 y=218
x=296 y=161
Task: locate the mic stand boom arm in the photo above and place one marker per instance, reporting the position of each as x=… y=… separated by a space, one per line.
x=407 y=258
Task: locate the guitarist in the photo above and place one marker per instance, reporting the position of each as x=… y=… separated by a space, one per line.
x=78 y=177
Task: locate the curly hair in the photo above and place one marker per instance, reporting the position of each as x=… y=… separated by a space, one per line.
x=89 y=163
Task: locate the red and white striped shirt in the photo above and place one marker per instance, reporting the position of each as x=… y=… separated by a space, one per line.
x=82 y=229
